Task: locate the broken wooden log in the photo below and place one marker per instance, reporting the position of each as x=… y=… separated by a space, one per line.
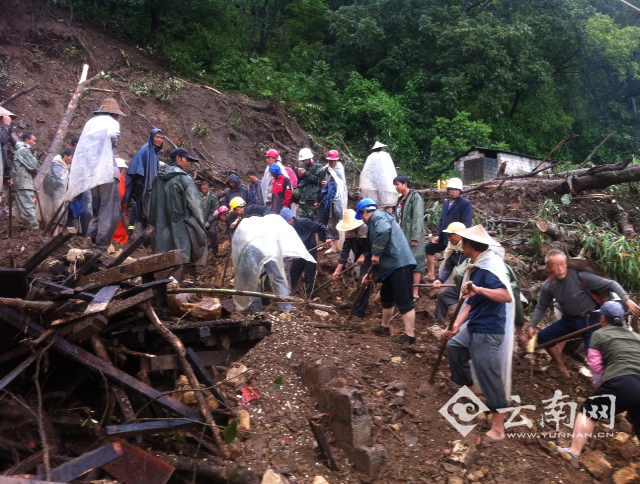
x=142 y=266
x=205 y=376
x=94 y=459
x=35 y=306
x=51 y=246
x=264 y=295
x=174 y=341
x=32 y=329
x=118 y=392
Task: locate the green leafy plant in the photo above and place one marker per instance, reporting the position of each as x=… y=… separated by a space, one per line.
x=617 y=254
x=161 y=89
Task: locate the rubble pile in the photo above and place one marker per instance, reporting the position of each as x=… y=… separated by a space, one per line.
x=107 y=376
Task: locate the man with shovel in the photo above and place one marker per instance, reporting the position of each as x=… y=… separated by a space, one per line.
x=578 y=293
x=393 y=264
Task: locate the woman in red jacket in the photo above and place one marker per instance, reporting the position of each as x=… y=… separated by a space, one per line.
x=282 y=194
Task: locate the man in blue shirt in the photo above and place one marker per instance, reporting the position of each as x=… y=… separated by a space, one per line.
x=392 y=264
x=455 y=209
x=479 y=330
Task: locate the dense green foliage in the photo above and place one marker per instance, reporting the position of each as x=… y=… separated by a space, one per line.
x=429 y=78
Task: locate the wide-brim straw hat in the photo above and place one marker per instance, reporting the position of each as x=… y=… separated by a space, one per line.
x=109 y=106
x=477 y=233
x=5 y=112
x=349 y=221
x=377 y=145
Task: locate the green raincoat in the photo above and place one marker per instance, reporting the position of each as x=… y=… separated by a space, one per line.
x=309 y=191
x=209 y=205
x=176 y=214
x=410 y=216
x=25 y=167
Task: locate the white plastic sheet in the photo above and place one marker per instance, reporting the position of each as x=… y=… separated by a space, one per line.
x=376 y=179
x=93 y=161
x=260 y=245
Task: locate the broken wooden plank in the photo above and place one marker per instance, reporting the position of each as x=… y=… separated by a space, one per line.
x=23 y=323
x=60 y=291
x=94 y=459
x=13 y=374
x=122 y=305
x=149 y=427
x=137 y=466
x=205 y=375
x=51 y=246
x=101 y=300
x=36 y=306
x=131 y=248
x=82 y=330
x=138 y=288
x=144 y=265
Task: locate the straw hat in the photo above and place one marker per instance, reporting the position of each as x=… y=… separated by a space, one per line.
x=377 y=145
x=349 y=221
x=477 y=233
x=5 y=112
x=109 y=106
x=455 y=228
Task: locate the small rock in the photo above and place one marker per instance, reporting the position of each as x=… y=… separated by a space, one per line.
x=244 y=420
x=622 y=438
x=319 y=480
x=271 y=477
x=627 y=475
x=455 y=480
x=396 y=360
x=237 y=374
x=324 y=315
x=597 y=465
x=396 y=427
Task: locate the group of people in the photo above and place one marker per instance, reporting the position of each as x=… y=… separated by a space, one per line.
x=279 y=223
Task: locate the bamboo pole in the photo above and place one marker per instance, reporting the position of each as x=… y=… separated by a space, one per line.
x=236 y=292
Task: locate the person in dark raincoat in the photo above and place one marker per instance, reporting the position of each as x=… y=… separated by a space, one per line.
x=176 y=210
x=235 y=188
x=142 y=172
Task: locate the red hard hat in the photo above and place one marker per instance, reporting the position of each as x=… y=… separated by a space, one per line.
x=271 y=153
x=332 y=155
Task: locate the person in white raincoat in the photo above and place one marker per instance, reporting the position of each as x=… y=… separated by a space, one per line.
x=377 y=175
x=334 y=199
x=94 y=168
x=483 y=331
x=259 y=248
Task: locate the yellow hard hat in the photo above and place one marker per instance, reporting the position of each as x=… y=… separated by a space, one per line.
x=237 y=202
x=455 y=228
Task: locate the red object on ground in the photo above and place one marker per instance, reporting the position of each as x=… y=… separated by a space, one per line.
x=121 y=236
x=249 y=395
